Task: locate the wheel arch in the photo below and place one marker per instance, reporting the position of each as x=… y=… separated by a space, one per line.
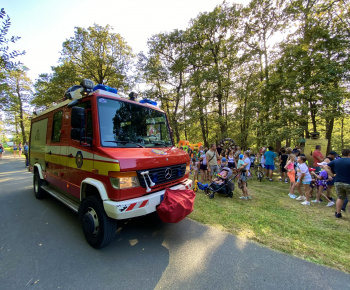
x=90 y=186
x=37 y=168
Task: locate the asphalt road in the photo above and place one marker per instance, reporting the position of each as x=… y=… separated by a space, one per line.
x=42 y=247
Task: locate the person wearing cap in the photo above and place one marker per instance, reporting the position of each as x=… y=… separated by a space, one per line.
x=317 y=157
x=339 y=169
x=223 y=162
x=321 y=184
x=270 y=162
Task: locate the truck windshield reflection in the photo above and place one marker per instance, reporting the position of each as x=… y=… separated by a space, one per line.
x=128 y=125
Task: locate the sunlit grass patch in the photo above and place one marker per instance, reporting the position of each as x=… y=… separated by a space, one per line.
x=281 y=223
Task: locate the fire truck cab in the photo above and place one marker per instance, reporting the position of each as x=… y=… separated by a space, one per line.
x=105 y=157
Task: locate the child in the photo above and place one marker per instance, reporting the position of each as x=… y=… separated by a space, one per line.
x=321 y=184
x=304 y=178
x=223 y=162
x=283 y=162
x=221 y=177
x=291 y=174
x=195 y=167
x=312 y=185
x=243 y=166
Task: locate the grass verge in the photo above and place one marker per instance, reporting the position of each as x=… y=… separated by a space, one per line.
x=275 y=220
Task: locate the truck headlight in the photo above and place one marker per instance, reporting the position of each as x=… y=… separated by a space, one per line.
x=122 y=180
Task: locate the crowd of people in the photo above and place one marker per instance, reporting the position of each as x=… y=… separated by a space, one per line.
x=313 y=182
x=18 y=150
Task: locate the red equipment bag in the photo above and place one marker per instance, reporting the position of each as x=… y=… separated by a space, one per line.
x=176 y=205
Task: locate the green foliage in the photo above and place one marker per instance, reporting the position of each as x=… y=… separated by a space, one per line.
x=95 y=53
x=14 y=101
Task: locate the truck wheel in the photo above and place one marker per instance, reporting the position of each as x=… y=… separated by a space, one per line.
x=37 y=183
x=98 y=228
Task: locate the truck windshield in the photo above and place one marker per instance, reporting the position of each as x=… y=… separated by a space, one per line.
x=128 y=125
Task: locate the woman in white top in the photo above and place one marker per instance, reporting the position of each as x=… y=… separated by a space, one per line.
x=203 y=166
x=231 y=160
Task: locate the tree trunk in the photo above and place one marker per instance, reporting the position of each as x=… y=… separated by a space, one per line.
x=329 y=131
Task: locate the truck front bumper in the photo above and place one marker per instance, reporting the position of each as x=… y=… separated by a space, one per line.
x=139 y=206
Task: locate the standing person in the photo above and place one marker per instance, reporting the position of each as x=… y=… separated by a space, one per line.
x=304 y=178
x=14 y=149
x=1 y=150
x=291 y=174
x=237 y=153
x=252 y=158
x=243 y=165
x=283 y=162
x=339 y=169
x=330 y=183
x=247 y=162
x=190 y=151
x=219 y=149
x=20 y=149
x=25 y=151
x=296 y=151
x=200 y=151
x=203 y=166
x=231 y=160
x=321 y=184
x=317 y=157
x=212 y=161
x=270 y=162
x=262 y=163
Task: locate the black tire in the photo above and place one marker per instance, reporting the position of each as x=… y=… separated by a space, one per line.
x=211 y=196
x=37 y=183
x=99 y=230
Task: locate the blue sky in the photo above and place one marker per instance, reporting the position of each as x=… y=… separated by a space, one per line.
x=43 y=25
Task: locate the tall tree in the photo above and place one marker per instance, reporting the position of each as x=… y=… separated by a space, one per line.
x=99 y=54
x=16 y=99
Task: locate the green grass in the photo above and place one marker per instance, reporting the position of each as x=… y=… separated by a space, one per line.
x=275 y=220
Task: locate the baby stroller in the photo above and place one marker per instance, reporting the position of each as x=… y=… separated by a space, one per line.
x=223 y=184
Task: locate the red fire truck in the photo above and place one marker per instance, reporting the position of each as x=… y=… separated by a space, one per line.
x=105 y=157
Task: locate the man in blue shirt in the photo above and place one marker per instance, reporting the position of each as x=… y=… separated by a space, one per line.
x=340 y=170
x=270 y=162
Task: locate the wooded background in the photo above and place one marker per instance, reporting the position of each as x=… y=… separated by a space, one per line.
x=265 y=74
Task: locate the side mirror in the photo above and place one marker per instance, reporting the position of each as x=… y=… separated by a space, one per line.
x=78 y=117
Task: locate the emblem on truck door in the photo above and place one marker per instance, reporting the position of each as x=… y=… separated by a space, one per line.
x=168 y=173
x=79 y=159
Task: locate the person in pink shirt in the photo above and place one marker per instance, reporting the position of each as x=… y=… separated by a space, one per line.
x=318 y=158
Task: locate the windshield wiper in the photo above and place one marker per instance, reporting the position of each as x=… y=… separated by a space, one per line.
x=163 y=144
x=127 y=142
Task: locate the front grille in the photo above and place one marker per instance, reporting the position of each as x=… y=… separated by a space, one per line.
x=158 y=174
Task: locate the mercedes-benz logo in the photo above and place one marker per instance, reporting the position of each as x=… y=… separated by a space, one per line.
x=168 y=173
